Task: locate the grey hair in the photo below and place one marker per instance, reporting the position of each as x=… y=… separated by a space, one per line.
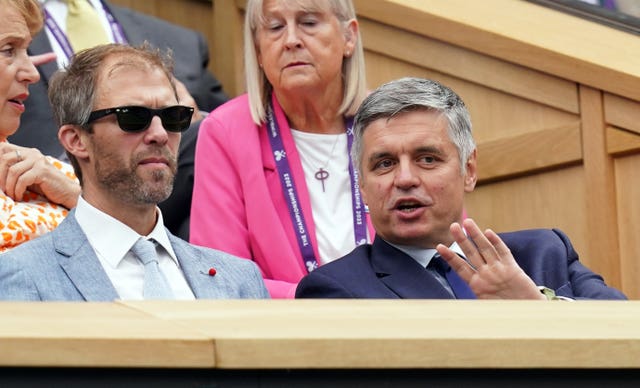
x=258 y=87
x=411 y=94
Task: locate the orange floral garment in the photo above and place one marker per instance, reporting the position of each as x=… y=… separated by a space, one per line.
x=33 y=216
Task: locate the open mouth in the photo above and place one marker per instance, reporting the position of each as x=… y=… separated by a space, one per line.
x=408 y=207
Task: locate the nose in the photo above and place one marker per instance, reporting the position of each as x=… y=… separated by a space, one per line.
x=406 y=176
x=292 y=39
x=156 y=132
x=27 y=72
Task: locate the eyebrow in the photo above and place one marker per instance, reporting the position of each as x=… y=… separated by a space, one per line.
x=418 y=150
x=378 y=155
x=429 y=149
x=13 y=36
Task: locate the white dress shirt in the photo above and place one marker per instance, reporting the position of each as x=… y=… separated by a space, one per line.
x=111 y=240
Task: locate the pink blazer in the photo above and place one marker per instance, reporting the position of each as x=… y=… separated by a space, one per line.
x=238 y=205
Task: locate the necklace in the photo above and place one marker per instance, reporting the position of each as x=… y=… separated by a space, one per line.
x=322 y=174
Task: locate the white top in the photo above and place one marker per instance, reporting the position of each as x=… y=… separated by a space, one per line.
x=111 y=240
x=332 y=208
x=58 y=11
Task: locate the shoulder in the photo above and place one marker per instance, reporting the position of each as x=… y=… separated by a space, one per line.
x=350 y=276
x=232 y=118
x=213 y=257
x=532 y=237
x=237 y=107
x=347 y=266
x=125 y=15
x=36 y=254
x=239 y=276
x=540 y=247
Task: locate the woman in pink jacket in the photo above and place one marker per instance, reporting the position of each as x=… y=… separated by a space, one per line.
x=274 y=180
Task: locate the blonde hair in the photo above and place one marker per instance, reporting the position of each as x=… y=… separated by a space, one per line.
x=258 y=87
x=30 y=11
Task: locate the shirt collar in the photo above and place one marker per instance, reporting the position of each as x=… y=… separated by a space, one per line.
x=424 y=255
x=102 y=230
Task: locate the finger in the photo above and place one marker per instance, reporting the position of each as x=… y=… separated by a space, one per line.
x=468 y=247
x=13 y=174
x=457 y=263
x=16 y=181
x=7 y=159
x=26 y=179
x=484 y=246
x=501 y=248
x=41 y=59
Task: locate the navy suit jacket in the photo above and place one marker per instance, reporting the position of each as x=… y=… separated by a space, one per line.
x=191 y=56
x=382 y=271
x=62 y=266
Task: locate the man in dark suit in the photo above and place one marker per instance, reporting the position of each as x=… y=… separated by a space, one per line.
x=417 y=158
x=191 y=57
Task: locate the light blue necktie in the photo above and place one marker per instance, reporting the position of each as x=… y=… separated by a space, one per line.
x=155 y=284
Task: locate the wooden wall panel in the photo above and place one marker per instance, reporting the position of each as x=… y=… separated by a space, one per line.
x=554 y=199
x=522 y=33
x=601 y=194
x=469 y=65
x=620 y=141
x=628 y=214
x=494 y=114
x=622 y=112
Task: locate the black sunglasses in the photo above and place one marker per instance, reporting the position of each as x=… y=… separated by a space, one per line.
x=138 y=118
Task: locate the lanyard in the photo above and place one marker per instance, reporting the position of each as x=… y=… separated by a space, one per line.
x=292 y=198
x=63 y=41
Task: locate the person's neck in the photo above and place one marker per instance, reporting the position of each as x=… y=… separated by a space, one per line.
x=141 y=218
x=313 y=113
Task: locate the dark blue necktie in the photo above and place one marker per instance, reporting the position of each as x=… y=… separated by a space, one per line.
x=460 y=288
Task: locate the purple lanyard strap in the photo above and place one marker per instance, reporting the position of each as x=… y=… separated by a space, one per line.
x=291 y=193
x=63 y=41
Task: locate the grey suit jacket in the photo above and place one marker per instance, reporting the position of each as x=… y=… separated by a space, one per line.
x=62 y=266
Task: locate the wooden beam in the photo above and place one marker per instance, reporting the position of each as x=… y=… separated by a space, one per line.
x=602 y=223
x=530 y=152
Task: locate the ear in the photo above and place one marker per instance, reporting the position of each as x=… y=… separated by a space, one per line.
x=74 y=139
x=471 y=176
x=351 y=37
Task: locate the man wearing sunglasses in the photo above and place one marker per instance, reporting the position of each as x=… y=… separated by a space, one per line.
x=120 y=123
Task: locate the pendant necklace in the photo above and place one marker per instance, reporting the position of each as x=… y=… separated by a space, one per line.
x=322 y=174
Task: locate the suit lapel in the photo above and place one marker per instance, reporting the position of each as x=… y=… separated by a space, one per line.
x=403 y=275
x=196 y=271
x=80 y=263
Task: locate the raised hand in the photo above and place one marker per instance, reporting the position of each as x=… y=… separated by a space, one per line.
x=491 y=270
